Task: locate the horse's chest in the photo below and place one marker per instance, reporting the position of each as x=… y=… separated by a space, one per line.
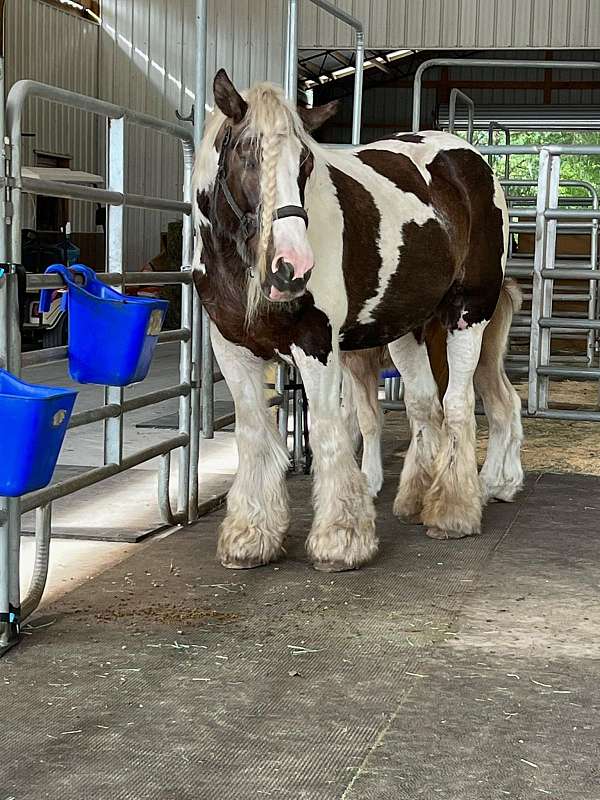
x=275 y=328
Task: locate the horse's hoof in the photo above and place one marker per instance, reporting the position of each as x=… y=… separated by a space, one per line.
x=411 y=519
x=239 y=564
x=437 y=533
x=332 y=566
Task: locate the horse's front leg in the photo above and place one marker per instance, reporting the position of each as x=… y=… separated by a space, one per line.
x=343 y=531
x=257 y=504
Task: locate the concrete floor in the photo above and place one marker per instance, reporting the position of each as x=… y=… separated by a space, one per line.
x=466 y=670
x=124 y=503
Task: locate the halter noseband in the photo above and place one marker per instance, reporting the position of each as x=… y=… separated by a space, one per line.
x=247 y=220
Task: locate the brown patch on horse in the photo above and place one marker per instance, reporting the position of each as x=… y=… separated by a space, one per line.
x=475 y=291
x=424 y=274
x=435 y=340
x=361 y=258
x=399 y=169
x=413 y=138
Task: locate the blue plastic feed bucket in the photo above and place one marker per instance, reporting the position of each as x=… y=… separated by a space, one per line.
x=112 y=336
x=33 y=423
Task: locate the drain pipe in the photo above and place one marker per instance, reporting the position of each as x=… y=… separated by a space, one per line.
x=357 y=25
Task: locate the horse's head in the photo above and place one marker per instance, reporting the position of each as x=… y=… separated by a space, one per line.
x=263 y=161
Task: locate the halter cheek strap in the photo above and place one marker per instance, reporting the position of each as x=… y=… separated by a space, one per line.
x=248 y=221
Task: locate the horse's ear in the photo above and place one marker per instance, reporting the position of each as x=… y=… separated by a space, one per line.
x=313 y=118
x=227 y=97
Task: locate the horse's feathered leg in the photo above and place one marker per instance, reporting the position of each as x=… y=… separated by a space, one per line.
x=501 y=476
x=425 y=416
x=452 y=505
x=343 y=531
x=361 y=373
x=257 y=504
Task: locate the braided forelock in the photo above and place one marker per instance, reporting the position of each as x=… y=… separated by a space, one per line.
x=270 y=120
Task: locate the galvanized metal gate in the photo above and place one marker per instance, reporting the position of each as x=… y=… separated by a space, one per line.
x=13 y=610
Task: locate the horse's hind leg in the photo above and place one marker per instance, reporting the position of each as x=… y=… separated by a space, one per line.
x=501 y=476
x=452 y=505
x=257 y=516
x=425 y=417
x=361 y=390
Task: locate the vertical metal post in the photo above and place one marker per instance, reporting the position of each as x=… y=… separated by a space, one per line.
x=290 y=79
x=185 y=487
x=454 y=95
x=358 y=86
x=356 y=24
x=115 y=170
x=592 y=336
x=298 y=421
x=10 y=518
x=207 y=371
x=490 y=142
x=10 y=358
x=547 y=286
x=539 y=259
x=284 y=407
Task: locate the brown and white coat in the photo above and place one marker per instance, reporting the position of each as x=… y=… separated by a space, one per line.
x=402 y=233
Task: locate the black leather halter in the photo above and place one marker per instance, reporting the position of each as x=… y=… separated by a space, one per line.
x=248 y=221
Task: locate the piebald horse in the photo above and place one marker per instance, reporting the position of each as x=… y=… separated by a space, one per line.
x=305 y=252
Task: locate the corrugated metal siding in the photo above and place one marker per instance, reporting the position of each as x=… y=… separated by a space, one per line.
x=147 y=63
x=443 y=24
x=35 y=34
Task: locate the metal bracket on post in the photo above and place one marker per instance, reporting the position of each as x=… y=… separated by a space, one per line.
x=115 y=170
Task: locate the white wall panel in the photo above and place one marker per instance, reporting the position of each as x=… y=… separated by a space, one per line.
x=46 y=44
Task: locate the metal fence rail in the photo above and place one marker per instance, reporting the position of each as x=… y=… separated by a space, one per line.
x=549 y=216
x=111 y=413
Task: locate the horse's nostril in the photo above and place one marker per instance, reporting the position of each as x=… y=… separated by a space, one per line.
x=285 y=270
x=283 y=275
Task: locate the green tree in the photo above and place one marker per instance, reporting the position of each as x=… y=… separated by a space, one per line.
x=525 y=167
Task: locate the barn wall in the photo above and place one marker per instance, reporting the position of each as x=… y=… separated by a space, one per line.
x=147 y=63
x=34 y=33
x=441 y=24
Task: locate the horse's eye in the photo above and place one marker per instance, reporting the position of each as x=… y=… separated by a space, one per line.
x=250 y=163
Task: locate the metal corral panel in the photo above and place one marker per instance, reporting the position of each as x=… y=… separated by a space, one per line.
x=445 y=24
x=52 y=46
x=147 y=63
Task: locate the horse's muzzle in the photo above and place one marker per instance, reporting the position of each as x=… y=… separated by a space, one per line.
x=281 y=286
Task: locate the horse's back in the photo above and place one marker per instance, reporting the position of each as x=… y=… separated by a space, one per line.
x=450 y=263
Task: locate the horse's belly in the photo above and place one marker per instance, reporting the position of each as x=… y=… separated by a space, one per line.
x=382 y=332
